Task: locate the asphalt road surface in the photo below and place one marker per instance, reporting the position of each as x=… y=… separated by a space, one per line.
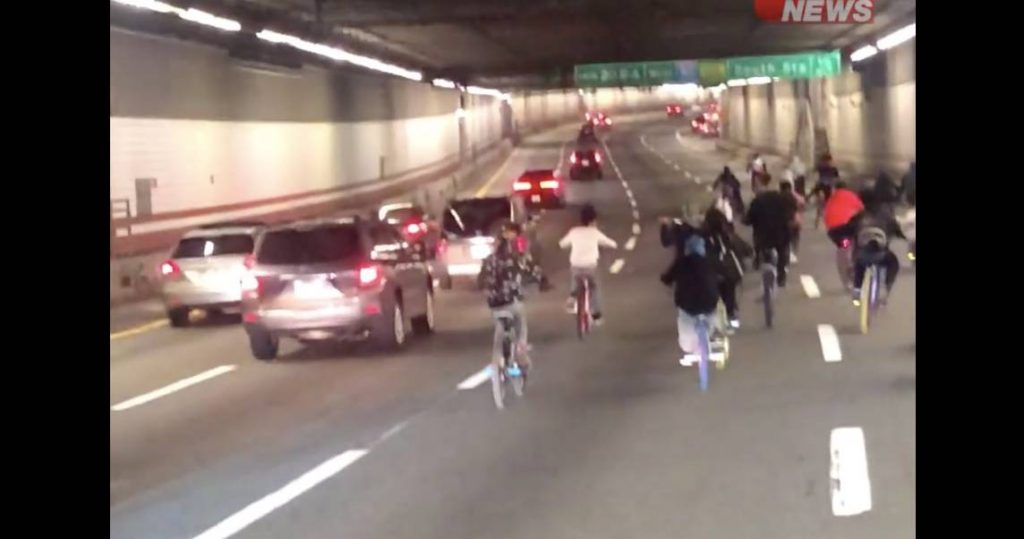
x=612 y=440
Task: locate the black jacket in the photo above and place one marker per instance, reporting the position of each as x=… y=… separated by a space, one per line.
x=693 y=276
x=771 y=214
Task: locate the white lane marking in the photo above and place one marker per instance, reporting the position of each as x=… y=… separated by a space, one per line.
x=643 y=140
x=262 y=507
x=687 y=174
x=636 y=215
x=476 y=379
x=631 y=243
x=698 y=179
x=675 y=166
x=176 y=386
x=636 y=229
x=679 y=135
x=851 y=486
x=617 y=265
x=707 y=188
x=810 y=286
x=829 y=343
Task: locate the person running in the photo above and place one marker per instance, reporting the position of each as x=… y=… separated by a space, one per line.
x=585 y=242
x=729 y=186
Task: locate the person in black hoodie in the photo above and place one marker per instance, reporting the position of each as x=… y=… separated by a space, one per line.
x=771 y=215
x=696 y=284
x=726 y=260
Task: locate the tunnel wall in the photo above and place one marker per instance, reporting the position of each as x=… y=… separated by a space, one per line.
x=868 y=116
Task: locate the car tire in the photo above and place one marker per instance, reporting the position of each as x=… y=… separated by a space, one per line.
x=178 y=317
x=600 y=175
x=388 y=332
x=424 y=324
x=264 y=346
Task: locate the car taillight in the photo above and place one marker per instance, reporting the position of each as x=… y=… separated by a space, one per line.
x=607 y=121
x=169 y=269
x=572 y=158
x=521 y=186
x=597 y=156
x=549 y=184
x=369 y=276
x=415 y=228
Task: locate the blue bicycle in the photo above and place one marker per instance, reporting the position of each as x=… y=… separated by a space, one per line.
x=707 y=350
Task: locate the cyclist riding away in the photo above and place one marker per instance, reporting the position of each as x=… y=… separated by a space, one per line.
x=771 y=215
x=726 y=261
x=585 y=242
x=875 y=227
x=502 y=275
x=797 y=225
x=729 y=186
x=696 y=287
x=841 y=207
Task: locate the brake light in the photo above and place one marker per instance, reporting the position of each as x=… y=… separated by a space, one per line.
x=549 y=184
x=369 y=276
x=521 y=186
x=597 y=156
x=845 y=243
x=414 y=228
x=170 y=269
x=572 y=158
x=607 y=121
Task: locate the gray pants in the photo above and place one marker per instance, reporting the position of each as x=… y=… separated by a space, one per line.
x=519 y=315
x=687 y=326
x=595 y=293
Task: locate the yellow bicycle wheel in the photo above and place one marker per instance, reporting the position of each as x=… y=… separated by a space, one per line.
x=865 y=300
x=725 y=355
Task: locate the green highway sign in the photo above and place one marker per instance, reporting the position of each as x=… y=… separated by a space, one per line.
x=635 y=73
x=789 y=66
x=711 y=72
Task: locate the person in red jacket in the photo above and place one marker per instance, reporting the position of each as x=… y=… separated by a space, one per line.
x=840 y=209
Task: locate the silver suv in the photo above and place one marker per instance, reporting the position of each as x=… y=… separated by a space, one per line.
x=335 y=279
x=205 y=269
x=470 y=227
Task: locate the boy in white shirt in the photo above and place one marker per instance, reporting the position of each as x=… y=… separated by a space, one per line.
x=585 y=242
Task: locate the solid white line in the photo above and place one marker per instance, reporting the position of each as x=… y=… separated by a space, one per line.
x=617 y=265
x=631 y=243
x=810 y=287
x=636 y=229
x=176 y=386
x=476 y=379
x=851 y=486
x=829 y=343
x=261 y=508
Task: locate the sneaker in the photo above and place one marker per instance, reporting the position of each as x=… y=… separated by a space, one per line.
x=734 y=323
x=792 y=258
x=598 y=320
x=689 y=360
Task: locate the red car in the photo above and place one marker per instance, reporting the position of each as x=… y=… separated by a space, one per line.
x=674 y=110
x=599 y=119
x=540 y=189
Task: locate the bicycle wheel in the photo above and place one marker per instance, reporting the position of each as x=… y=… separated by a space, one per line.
x=768 y=288
x=705 y=352
x=720 y=365
x=865 y=299
x=582 y=309
x=498 y=375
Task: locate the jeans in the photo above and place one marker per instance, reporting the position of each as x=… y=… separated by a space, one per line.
x=687 y=326
x=727 y=290
x=782 y=258
x=595 y=296
x=863 y=258
x=519 y=325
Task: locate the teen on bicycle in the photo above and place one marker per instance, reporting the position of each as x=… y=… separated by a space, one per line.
x=874 y=229
x=585 y=242
x=502 y=276
x=696 y=287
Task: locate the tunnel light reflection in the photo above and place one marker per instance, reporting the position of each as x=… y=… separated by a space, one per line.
x=148 y=4
x=190 y=14
x=443 y=83
x=759 y=80
x=737 y=82
x=340 y=55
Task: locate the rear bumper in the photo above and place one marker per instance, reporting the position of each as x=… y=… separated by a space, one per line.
x=323 y=324
x=192 y=297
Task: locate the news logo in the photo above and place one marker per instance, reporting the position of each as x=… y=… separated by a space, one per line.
x=816 y=11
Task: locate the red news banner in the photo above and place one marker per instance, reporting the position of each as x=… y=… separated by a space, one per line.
x=816 y=11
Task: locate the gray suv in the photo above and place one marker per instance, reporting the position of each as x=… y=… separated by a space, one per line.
x=335 y=279
x=205 y=269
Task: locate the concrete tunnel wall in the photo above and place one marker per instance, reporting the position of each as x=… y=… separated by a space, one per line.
x=869 y=117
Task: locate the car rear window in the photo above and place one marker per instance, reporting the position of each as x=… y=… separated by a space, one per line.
x=402 y=215
x=202 y=246
x=310 y=246
x=471 y=217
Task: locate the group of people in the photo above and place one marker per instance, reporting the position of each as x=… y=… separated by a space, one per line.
x=710 y=258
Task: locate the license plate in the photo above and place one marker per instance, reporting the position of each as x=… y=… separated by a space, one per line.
x=313 y=289
x=586 y=162
x=535 y=198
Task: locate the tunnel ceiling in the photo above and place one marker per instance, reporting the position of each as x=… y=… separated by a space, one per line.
x=536 y=42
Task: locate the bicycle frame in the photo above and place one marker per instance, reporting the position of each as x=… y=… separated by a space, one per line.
x=874 y=276
x=769 y=277
x=583 y=316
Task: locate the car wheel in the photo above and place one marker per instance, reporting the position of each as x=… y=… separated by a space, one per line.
x=424 y=324
x=178 y=317
x=388 y=333
x=600 y=174
x=264 y=346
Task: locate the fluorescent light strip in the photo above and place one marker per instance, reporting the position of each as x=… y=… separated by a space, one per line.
x=863 y=53
x=759 y=80
x=477 y=90
x=443 y=83
x=191 y=14
x=899 y=36
x=340 y=55
x=737 y=82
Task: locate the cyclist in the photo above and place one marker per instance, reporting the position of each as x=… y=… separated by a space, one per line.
x=874 y=227
x=725 y=260
x=771 y=215
x=729 y=186
x=840 y=208
x=696 y=287
x=787 y=188
x=756 y=168
x=828 y=176
x=501 y=277
x=585 y=242
x=797 y=174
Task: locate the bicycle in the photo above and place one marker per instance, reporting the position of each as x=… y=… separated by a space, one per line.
x=584 y=318
x=769 y=280
x=705 y=353
x=844 y=263
x=870 y=293
x=723 y=322
x=509 y=372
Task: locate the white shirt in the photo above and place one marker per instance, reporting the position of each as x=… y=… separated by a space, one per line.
x=585 y=242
